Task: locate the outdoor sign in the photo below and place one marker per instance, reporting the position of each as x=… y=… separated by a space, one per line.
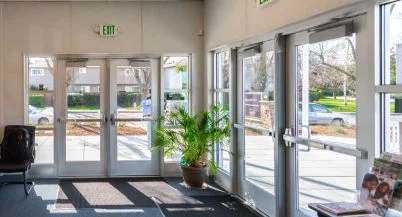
x=107 y=30
x=263 y=2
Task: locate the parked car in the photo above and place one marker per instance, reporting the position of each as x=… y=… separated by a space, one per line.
x=319 y=114
x=41 y=117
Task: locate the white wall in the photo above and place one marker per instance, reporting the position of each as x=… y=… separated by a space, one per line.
x=228 y=21
x=68 y=28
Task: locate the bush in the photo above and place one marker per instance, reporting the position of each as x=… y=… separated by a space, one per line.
x=37 y=101
x=75 y=100
x=125 y=99
x=315 y=94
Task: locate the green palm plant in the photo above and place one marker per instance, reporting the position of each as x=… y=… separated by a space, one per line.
x=196 y=135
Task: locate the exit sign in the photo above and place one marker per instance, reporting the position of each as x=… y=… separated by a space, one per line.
x=263 y=2
x=108 y=30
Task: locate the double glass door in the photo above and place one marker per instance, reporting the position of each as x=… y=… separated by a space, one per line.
x=104 y=117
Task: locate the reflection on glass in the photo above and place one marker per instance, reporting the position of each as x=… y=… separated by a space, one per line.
x=83 y=141
x=40 y=106
x=133 y=140
x=175 y=73
x=258 y=95
x=327 y=90
x=393 y=43
x=223 y=70
x=134 y=90
x=325 y=176
x=259 y=160
x=172 y=103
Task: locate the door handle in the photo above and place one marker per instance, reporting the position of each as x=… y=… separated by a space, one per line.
x=308 y=137
x=103 y=117
x=112 y=119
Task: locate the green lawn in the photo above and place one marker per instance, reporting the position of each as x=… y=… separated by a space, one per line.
x=90 y=107
x=96 y=107
x=336 y=105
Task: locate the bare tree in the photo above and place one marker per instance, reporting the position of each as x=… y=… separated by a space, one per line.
x=143 y=78
x=262 y=67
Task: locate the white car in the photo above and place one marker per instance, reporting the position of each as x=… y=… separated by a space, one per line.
x=37 y=116
x=319 y=114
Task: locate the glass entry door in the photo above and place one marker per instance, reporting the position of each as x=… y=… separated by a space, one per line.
x=255 y=122
x=321 y=102
x=81 y=118
x=133 y=100
x=105 y=117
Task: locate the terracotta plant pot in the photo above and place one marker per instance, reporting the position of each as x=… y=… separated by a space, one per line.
x=194 y=176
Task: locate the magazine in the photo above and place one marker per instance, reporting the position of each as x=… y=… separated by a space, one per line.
x=392 y=162
x=362 y=215
x=342 y=208
x=392 y=157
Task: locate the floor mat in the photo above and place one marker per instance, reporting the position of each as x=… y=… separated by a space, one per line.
x=101 y=193
x=203 y=206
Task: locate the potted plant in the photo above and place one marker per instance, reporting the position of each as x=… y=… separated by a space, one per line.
x=195 y=137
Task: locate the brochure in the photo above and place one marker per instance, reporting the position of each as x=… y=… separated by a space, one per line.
x=342 y=208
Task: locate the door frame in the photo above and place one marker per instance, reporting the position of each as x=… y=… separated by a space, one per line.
x=80 y=168
x=248 y=191
x=363 y=148
x=144 y=167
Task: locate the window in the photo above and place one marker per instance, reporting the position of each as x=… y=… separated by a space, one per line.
x=37 y=72
x=391 y=76
x=222 y=96
x=176 y=72
x=40 y=109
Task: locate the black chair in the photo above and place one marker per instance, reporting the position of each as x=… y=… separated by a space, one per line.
x=17 y=152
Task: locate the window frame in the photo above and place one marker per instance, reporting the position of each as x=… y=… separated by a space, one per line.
x=383 y=86
x=221 y=90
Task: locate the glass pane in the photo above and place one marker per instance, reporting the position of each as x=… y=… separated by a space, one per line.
x=223 y=70
x=83 y=92
x=44 y=138
x=259 y=160
x=133 y=140
x=175 y=73
x=325 y=176
x=82 y=141
x=326 y=111
x=258 y=93
x=393 y=122
x=327 y=90
x=41 y=106
x=172 y=102
x=223 y=149
x=134 y=91
x=176 y=156
x=393 y=43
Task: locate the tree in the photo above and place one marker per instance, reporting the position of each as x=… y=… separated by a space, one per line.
x=143 y=78
x=330 y=62
x=262 y=68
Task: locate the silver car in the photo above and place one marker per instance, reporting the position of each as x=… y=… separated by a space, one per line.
x=319 y=114
x=37 y=116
